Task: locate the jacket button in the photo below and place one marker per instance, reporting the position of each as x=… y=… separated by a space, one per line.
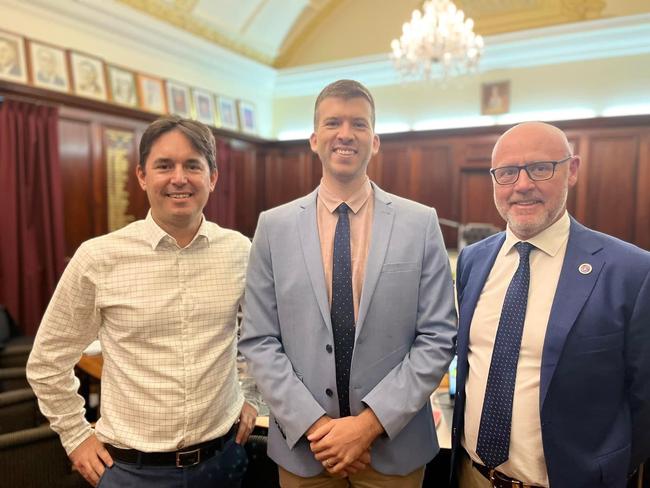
x=329 y=392
x=328 y=348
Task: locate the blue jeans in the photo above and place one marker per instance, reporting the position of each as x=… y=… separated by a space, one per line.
x=225 y=469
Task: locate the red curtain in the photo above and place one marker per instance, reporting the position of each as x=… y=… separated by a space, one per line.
x=221 y=205
x=31 y=210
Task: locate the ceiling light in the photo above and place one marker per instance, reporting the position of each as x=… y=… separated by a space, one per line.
x=441 y=36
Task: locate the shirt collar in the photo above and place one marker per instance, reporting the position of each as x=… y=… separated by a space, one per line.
x=355 y=202
x=550 y=240
x=154 y=234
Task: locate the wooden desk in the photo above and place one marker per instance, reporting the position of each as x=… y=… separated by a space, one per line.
x=92 y=365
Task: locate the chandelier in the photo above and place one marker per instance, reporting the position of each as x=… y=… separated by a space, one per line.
x=440 y=35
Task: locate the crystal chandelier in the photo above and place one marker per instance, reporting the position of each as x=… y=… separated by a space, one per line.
x=439 y=36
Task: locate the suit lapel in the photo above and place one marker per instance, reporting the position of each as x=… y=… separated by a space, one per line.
x=573 y=290
x=382 y=225
x=310 y=242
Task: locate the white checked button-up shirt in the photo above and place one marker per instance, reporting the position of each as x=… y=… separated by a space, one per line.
x=166 y=320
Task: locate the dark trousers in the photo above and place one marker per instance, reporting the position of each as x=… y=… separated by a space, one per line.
x=223 y=470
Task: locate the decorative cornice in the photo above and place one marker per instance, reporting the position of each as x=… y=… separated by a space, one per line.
x=303 y=28
x=595 y=39
x=120 y=25
x=500 y=16
x=180 y=15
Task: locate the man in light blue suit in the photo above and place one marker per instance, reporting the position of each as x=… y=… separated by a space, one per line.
x=349 y=321
x=572 y=409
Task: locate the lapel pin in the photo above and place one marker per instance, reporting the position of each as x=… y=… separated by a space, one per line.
x=585 y=268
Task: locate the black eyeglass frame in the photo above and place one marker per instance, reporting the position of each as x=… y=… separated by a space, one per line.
x=525 y=168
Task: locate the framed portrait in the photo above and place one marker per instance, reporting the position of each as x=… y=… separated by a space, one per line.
x=178 y=99
x=122 y=87
x=13 y=64
x=88 y=76
x=227 y=113
x=247 y=117
x=495 y=98
x=49 y=66
x=203 y=102
x=151 y=92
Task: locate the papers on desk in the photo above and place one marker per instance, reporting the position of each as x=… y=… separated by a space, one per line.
x=93 y=349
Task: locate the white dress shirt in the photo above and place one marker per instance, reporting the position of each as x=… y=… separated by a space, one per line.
x=166 y=320
x=526 y=458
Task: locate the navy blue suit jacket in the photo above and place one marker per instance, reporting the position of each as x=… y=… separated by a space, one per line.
x=595 y=372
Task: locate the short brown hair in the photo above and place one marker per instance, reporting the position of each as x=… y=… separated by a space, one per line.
x=199 y=135
x=345 y=89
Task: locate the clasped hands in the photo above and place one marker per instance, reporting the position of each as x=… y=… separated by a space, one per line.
x=343 y=445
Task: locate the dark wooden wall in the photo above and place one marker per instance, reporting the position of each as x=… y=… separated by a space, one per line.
x=444 y=169
x=449 y=171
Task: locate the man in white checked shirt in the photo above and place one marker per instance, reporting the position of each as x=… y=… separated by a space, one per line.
x=162 y=296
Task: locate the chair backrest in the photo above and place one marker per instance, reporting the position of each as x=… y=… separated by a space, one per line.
x=19 y=410
x=35 y=457
x=6 y=326
x=474 y=232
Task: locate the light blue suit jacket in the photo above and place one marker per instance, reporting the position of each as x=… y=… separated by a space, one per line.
x=595 y=375
x=404 y=334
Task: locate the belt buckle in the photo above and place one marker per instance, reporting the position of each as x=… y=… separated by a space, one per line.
x=494 y=476
x=491 y=477
x=185 y=459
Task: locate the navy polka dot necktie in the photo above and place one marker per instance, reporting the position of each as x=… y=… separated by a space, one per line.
x=342 y=311
x=493 y=443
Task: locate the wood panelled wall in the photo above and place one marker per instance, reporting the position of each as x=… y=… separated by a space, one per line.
x=444 y=169
x=449 y=171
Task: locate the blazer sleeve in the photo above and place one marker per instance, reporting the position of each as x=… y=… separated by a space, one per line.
x=637 y=360
x=261 y=344
x=419 y=373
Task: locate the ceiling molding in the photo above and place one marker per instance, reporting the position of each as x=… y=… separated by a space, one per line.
x=586 y=40
x=181 y=17
x=310 y=19
x=499 y=16
x=120 y=25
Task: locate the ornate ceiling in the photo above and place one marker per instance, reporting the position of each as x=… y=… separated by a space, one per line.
x=288 y=33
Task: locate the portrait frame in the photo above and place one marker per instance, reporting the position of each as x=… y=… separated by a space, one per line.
x=203 y=105
x=17 y=70
x=122 y=87
x=49 y=67
x=151 y=93
x=88 y=76
x=247 y=117
x=495 y=98
x=227 y=117
x=178 y=99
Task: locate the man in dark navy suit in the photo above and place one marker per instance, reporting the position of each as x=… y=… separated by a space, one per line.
x=554 y=335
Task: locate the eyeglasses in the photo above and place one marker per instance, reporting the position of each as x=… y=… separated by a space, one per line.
x=536 y=171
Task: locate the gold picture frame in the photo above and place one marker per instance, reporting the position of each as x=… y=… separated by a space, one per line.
x=495 y=98
x=13 y=61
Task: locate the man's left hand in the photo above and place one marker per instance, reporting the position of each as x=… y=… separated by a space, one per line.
x=343 y=441
x=246 y=423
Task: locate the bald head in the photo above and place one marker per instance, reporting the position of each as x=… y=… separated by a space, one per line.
x=537 y=197
x=539 y=140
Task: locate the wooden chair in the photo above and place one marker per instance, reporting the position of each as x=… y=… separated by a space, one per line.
x=35 y=457
x=19 y=410
x=14 y=347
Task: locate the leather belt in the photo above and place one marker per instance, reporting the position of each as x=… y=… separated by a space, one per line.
x=190 y=456
x=500 y=480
